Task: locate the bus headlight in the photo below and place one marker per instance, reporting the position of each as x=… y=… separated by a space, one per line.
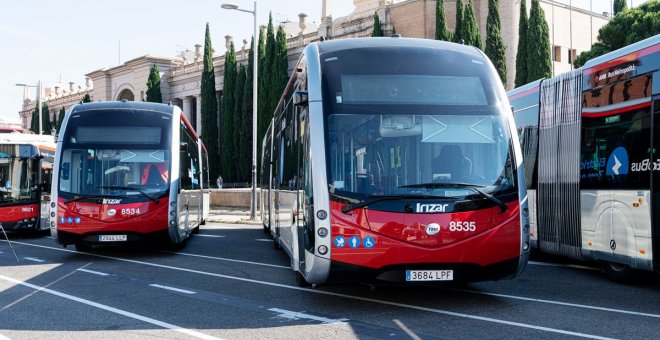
x=525 y=246
x=52 y=205
x=173 y=204
x=526 y=229
x=172 y=222
x=52 y=214
x=172 y=213
x=323 y=232
x=323 y=250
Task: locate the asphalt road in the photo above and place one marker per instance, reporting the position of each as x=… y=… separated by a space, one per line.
x=229 y=282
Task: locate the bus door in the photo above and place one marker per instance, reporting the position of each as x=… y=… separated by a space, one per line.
x=655 y=184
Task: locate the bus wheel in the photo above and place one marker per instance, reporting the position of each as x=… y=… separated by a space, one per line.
x=300 y=280
x=196 y=230
x=266 y=229
x=617 y=272
x=276 y=242
x=82 y=247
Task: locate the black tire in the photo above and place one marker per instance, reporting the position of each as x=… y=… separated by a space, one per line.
x=300 y=280
x=83 y=247
x=196 y=230
x=276 y=243
x=618 y=272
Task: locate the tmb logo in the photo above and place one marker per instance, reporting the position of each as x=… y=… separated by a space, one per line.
x=431 y=208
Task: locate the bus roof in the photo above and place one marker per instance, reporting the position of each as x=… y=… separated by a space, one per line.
x=640 y=45
x=519 y=91
x=354 y=43
x=146 y=106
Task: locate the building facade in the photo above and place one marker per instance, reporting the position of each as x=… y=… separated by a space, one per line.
x=572 y=31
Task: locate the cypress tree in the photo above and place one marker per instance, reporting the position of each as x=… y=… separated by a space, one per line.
x=34 y=121
x=86 y=98
x=246 y=108
x=619 y=5
x=45 y=119
x=280 y=68
x=263 y=119
x=153 y=86
x=441 y=30
x=495 y=48
x=378 y=31
x=209 y=108
x=539 y=62
x=458 y=30
x=61 y=119
x=521 y=54
x=227 y=118
x=470 y=32
x=242 y=155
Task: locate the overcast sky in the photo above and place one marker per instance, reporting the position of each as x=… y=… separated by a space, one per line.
x=42 y=39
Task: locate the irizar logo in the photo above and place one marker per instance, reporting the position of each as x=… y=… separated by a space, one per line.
x=431 y=208
x=111 y=201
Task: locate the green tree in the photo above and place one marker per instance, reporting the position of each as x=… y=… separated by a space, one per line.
x=441 y=30
x=470 y=32
x=34 y=121
x=628 y=27
x=539 y=62
x=263 y=119
x=521 y=54
x=378 y=30
x=246 y=128
x=458 y=30
x=153 y=86
x=619 y=5
x=280 y=73
x=227 y=118
x=241 y=153
x=61 y=119
x=86 y=98
x=45 y=119
x=495 y=48
x=209 y=108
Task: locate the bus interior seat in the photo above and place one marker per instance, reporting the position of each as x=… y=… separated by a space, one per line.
x=452 y=162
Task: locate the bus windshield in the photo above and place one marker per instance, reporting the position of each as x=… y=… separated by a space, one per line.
x=441 y=155
x=19 y=166
x=102 y=158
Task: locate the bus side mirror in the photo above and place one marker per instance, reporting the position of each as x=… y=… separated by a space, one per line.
x=183 y=146
x=300 y=98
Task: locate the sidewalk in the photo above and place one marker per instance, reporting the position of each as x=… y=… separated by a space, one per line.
x=232 y=216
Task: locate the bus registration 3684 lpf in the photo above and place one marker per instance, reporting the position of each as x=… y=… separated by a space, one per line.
x=429 y=275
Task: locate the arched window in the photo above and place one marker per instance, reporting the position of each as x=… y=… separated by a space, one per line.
x=126 y=94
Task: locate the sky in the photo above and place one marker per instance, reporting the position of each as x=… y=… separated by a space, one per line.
x=43 y=40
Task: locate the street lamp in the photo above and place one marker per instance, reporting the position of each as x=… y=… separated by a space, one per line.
x=38 y=86
x=254 y=104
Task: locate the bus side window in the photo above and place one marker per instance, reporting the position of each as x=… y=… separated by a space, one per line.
x=66 y=168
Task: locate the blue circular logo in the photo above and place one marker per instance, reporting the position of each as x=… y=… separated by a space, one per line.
x=340 y=241
x=369 y=242
x=618 y=163
x=354 y=242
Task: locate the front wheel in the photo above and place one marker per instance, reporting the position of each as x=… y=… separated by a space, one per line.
x=300 y=280
x=83 y=247
x=618 y=272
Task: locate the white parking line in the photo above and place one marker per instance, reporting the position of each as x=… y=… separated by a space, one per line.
x=352 y=297
x=229 y=260
x=263 y=240
x=155 y=322
x=300 y=315
x=92 y=272
x=172 y=289
x=34 y=259
x=207 y=235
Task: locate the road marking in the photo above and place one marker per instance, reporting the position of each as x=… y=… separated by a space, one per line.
x=263 y=239
x=172 y=289
x=155 y=322
x=92 y=272
x=207 y=235
x=2 y=337
x=405 y=328
x=300 y=315
x=34 y=259
x=561 y=265
x=351 y=297
x=226 y=259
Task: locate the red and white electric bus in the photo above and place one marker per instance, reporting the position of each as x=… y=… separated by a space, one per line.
x=26 y=163
x=590 y=141
x=127 y=171
x=396 y=160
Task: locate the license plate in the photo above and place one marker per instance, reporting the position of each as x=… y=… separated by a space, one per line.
x=429 y=275
x=112 y=238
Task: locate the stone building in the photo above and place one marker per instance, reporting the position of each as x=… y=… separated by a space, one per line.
x=572 y=30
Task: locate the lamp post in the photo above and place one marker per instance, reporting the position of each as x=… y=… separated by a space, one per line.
x=38 y=86
x=255 y=57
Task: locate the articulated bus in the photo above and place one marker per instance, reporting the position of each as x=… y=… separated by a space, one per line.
x=590 y=141
x=396 y=160
x=125 y=172
x=26 y=163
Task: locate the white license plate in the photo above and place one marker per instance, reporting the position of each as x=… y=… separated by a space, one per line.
x=429 y=275
x=112 y=238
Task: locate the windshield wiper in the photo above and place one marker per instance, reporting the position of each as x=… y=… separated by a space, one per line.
x=347 y=208
x=75 y=199
x=473 y=187
x=113 y=187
